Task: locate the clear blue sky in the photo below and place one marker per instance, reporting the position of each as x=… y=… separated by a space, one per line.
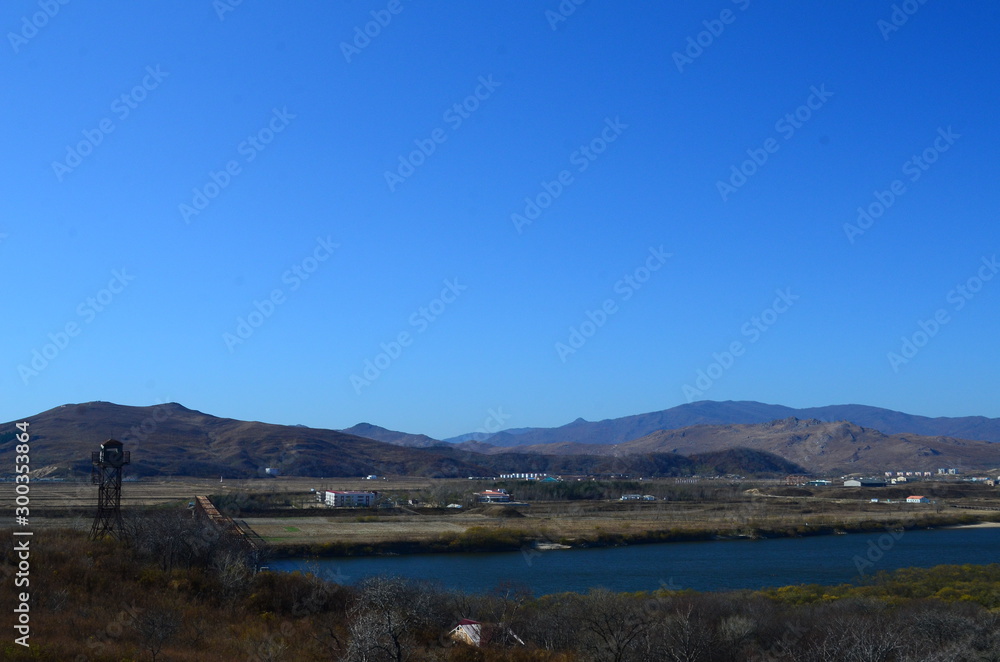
x=115 y=115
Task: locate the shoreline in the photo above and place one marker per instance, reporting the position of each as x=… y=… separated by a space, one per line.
x=480 y=540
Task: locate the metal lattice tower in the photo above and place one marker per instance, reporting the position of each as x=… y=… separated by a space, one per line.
x=107 y=474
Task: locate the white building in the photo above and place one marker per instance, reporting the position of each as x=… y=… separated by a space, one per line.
x=343 y=499
x=917 y=499
x=492 y=496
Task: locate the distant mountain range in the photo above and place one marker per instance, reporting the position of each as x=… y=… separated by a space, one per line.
x=724 y=437
x=823 y=447
x=707 y=412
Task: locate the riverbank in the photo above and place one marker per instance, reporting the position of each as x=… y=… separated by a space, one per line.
x=482 y=539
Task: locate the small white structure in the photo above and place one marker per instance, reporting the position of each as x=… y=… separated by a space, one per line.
x=917 y=499
x=271 y=471
x=492 y=496
x=475 y=633
x=344 y=499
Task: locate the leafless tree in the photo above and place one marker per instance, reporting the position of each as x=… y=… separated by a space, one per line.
x=384 y=619
x=155 y=627
x=612 y=625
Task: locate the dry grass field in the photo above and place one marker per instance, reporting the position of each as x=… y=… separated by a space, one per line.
x=300 y=520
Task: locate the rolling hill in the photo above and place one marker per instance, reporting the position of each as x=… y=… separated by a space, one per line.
x=170 y=439
x=822 y=447
x=707 y=412
x=377 y=433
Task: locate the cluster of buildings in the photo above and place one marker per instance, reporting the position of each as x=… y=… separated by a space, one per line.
x=545 y=478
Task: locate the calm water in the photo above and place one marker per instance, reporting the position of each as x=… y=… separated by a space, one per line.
x=704 y=566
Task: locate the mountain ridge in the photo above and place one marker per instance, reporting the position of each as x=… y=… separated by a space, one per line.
x=628 y=428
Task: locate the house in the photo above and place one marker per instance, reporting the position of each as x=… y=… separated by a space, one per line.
x=475 y=633
x=345 y=499
x=863 y=482
x=796 y=479
x=492 y=496
x=631 y=497
x=648 y=497
x=917 y=499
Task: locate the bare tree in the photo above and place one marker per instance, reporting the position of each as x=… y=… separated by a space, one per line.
x=613 y=625
x=156 y=627
x=386 y=616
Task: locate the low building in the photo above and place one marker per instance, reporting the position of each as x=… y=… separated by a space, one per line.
x=492 y=496
x=819 y=483
x=863 y=482
x=348 y=499
x=917 y=499
x=631 y=497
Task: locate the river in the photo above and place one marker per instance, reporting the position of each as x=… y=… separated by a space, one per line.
x=703 y=566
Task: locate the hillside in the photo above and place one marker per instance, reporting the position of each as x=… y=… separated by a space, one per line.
x=826 y=447
x=818 y=446
x=707 y=412
x=369 y=431
x=170 y=439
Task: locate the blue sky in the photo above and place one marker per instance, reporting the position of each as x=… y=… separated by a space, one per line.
x=503 y=208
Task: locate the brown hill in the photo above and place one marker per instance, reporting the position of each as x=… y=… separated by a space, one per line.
x=170 y=439
x=818 y=446
x=369 y=431
x=826 y=447
x=707 y=412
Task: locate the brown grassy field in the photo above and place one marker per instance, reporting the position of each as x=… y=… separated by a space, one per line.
x=722 y=509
